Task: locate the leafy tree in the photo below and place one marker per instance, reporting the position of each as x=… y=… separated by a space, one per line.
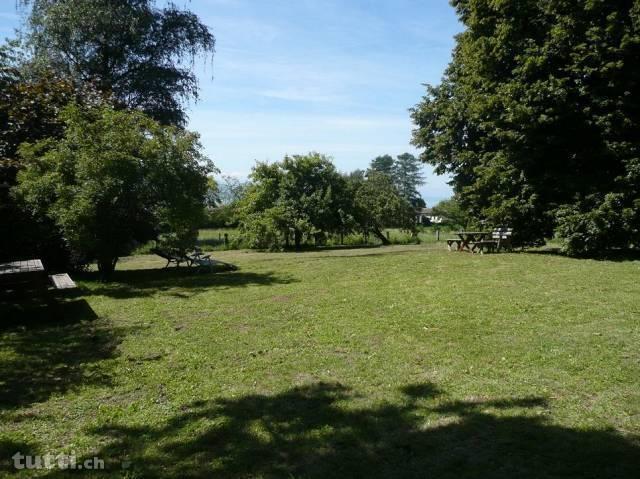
x=407 y=175
x=29 y=112
x=297 y=197
x=212 y=197
x=378 y=204
x=382 y=164
x=453 y=214
x=537 y=117
x=114 y=179
x=130 y=49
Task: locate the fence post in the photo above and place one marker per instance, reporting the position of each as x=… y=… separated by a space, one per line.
x=438 y=234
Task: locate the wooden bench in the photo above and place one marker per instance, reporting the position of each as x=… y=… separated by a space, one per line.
x=172 y=257
x=62 y=281
x=452 y=241
x=205 y=261
x=500 y=239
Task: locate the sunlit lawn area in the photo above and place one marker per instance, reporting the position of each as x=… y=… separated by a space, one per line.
x=404 y=361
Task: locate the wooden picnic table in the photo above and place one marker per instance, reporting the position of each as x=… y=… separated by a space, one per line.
x=467 y=237
x=23 y=272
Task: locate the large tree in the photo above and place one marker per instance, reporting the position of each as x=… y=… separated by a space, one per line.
x=115 y=178
x=29 y=112
x=303 y=195
x=407 y=175
x=405 y=172
x=537 y=119
x=140 y=54
x=382 y=164
x=378 y=204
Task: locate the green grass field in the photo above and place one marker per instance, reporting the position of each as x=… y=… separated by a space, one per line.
x=403 y=361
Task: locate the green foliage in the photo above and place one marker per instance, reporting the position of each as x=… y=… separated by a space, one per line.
x=29 y=112
x=297 y=198
x=538 y=114
x=382 y=164
x=228 y=193
x=378 y=204
x=453 y=214
x=131 y=49
x=406 y=173
x=115 y=179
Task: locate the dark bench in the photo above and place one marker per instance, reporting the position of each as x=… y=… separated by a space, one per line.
x=205 y=261
x=500 y=240
x=197 y=258
x=456 y=242
x=172 y=256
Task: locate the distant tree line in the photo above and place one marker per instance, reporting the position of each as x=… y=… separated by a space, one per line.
x=303 y=199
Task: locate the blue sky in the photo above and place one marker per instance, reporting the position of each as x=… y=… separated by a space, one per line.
x=331 y=76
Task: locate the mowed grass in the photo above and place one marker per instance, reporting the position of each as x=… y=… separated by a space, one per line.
x=403 y=361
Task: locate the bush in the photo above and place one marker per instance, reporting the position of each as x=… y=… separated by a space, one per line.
x=261 y=231
x=587 y=231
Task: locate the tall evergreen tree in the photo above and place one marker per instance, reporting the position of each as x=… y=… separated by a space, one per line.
x=382 y=164
x=407 y=175
x=537 y=119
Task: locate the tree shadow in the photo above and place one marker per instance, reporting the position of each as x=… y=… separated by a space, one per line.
x=316 y=431
x=181 y=282
x=616 y=256
x=51 y=347
x=8 y=448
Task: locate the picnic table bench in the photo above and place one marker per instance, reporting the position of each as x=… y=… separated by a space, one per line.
x=196 y=257
x=172 y=256
x=30 y=273
x=465 y=239
x=500 y=239
x=482 y=241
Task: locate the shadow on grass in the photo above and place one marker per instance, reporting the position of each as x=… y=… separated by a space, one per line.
x=313 y=432
x=181 y=282
x=51 y=348
x=617 y=256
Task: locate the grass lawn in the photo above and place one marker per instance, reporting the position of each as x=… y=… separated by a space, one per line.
x=404 y=361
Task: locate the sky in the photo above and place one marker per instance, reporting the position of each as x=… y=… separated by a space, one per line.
x=293 y=76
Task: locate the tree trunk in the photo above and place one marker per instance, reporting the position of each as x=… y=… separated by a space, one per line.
x=106 y=267
x=380 y=236
x=297 y=238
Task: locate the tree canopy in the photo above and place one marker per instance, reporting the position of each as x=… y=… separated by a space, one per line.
x=303 y=195
x=138 y=53
x=115 y=178
x=379 y=204
x=405 y=172
x=537 y=117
